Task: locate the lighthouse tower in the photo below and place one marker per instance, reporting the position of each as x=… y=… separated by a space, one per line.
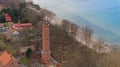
x=45 y=53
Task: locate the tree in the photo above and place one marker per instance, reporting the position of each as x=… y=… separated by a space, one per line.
x=2 y=18
x=22 y=5
x=15 y=14
x=87 y=34
x=24 y=20
x=5 y=10
x=73 y=29
x=37 y=6
x=70 y=28
x=65 y=25
x=100 y=43
x=28 y=52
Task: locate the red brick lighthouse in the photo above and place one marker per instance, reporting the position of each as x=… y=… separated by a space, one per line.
x=45 y=53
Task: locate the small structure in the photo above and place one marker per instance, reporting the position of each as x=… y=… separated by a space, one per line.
x=3 y=30
x=7 y=17
x=22 y=26
x=15 y=33
x=15 y=36
x=22 y=50
x=7 y=60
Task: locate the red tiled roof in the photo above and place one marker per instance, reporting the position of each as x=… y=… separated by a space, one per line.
x=7 y=17
x=6 y=57
x=23 y=25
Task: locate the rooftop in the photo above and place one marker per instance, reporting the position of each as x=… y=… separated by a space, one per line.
x=6 y=57
x=22 y=25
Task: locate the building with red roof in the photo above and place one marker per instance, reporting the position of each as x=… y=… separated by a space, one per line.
x=7 y=60
x=22 y=26
x=7 y=17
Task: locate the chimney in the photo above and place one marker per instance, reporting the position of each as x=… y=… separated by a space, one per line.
x=45 y=53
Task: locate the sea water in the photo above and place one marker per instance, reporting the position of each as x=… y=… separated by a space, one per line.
x=103 y=16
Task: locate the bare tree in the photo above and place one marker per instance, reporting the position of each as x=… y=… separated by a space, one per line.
x=70 y=28
x=65 y=25
x=87 y=34
x=73 y=29
x=100 y=43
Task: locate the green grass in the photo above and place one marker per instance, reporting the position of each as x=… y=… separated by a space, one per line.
x=25 y=60
x=8 y=23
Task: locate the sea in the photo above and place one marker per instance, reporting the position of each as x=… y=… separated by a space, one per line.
x=103 y=16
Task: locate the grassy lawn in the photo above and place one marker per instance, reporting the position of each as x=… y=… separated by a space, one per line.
x=25 y=60
x=9 y=24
